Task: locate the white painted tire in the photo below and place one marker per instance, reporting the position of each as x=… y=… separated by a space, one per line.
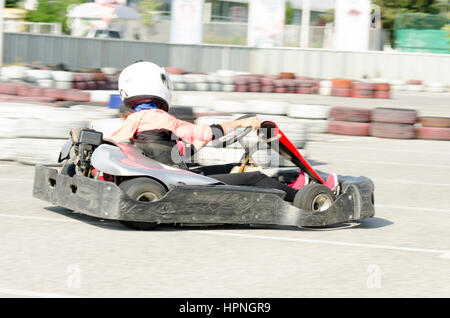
x=325 y=91
x=226 y=80
x=101 y=96
x=107 y=126
x=267 y=107
x=7 y=128
x=49 y=128
x=38 y=151
x=201 y=86
x=180 y=86
x=308 y=111
x=15 y=72
x=62 y=76
x=228 y=106
x=325 y=84
x=62 y=85
x=316 y=125
x=414 y=88
x=34 y=75
x=8 y=149
x=109 y=70
x=435 y=89
x=47 y=83
x=216 y=87
x=228 y=87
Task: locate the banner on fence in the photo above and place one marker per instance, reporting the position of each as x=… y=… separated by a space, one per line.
x=186 y=23
x=352 y=25
x=266 y=22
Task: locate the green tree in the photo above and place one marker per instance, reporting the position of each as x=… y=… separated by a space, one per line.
x=52 y=11
x=12 y=3
x=289 y=16
x=145 y=10
x=390 y=8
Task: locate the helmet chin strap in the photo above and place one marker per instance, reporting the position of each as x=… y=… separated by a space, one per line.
x=146 y=106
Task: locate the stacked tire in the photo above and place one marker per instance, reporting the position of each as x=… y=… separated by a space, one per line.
x=393 y=123
x=350 y=121
x=363 y=90
x=315 y=117
x=434 y=128
x=341 y=87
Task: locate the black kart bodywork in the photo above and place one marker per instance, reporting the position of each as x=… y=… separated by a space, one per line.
x=203 y=203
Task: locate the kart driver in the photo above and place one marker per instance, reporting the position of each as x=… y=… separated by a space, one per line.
x=144 y=88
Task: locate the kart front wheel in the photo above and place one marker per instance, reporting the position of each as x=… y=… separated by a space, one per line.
x=314 y=197
x=143 y=190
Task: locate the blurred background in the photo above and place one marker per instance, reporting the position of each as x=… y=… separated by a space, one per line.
x=294 y=59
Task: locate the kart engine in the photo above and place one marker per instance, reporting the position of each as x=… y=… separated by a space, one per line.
x=84 y=145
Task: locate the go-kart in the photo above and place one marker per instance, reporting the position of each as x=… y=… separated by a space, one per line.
x=118 y=181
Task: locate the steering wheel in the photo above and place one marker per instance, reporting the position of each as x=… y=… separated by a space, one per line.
x=233 y=136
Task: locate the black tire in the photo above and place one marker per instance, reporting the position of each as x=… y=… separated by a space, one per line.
x=314 y=197
x=144 y=190
x=68 y=170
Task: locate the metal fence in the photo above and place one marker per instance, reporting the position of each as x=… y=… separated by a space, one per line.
x=79 y=53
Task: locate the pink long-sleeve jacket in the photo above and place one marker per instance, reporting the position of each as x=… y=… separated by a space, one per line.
x=159 y=119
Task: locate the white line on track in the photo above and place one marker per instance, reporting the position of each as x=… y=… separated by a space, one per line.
x=381 y=149
x=442 y=253
x=395 y=163
x=410 y=208
x=29 y=293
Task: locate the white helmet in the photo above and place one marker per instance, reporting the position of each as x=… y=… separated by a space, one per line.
x=142 y=82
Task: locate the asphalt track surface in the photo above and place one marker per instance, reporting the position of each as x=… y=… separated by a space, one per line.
x=404 y=251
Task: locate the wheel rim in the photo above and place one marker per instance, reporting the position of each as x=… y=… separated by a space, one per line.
x=147 y=197
x=321 y=203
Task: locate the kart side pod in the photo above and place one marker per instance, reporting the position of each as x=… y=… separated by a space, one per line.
x=206 y=204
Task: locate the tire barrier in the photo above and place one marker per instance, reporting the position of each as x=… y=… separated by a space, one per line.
x=34 y=134
x=350 y=114
x=308 y=111
x=349 y=128
x=395 y=131
x=394 y=115
x=433 y=133
x=439 y=122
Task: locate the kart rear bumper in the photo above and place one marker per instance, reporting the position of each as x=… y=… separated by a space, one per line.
x=211 y=204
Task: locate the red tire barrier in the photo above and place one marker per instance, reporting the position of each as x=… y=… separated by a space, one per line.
x=349 y=128
x=382 y=94
x=241 y=88
x=439 y=122
x=254 y=87
x=281 y=90
x=287 y=75
x=342 y=92
x=241 y=80
x=396 y=131
x=8 y=88
x=382 y=87
x=278 y=83
x=174 y=70
x=305 y=90
x=394 y=115
x=363 y=93
x=350 y=114
x=75 y=95
x=433 y=133
x=267 y=89
x=414 y=82
x=30 y=91
x=266 y=81
x=55 y=93
x=341 y=83
x=363 y=86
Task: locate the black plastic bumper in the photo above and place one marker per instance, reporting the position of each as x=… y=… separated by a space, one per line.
x=218 y=204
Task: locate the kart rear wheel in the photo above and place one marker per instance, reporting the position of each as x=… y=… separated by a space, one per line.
x=314 y=197
x=143 y=190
